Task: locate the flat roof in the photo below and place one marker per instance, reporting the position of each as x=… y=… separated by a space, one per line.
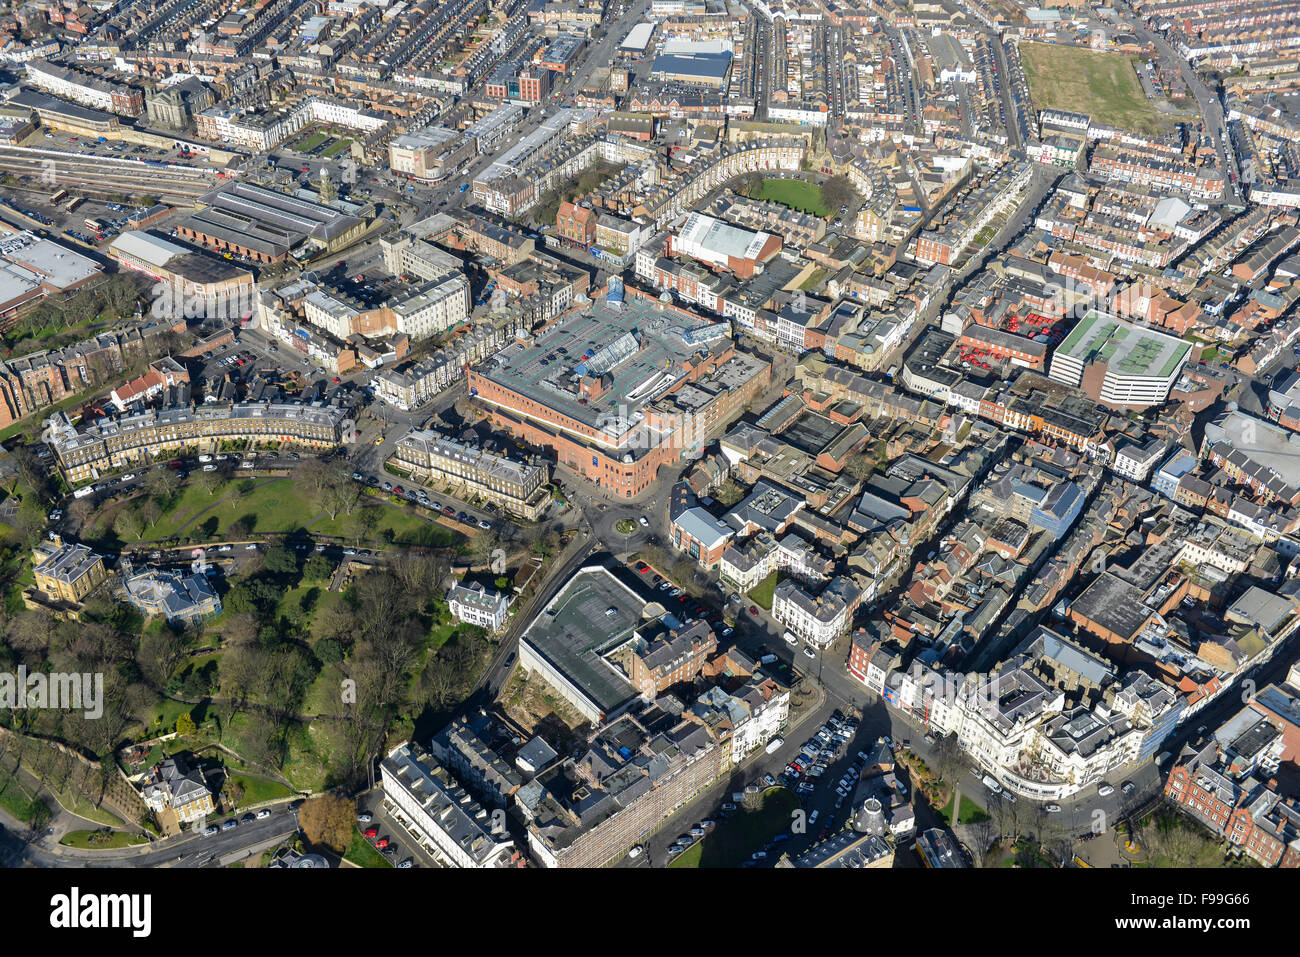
x=638 y=38
x=639 y=344
x=594 y=614
x=55 y=265
x=707 y=66
x=1125 y=348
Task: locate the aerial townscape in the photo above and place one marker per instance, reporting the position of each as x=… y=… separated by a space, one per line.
x=644 y=434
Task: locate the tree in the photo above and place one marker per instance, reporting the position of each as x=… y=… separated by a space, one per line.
x=949 y=759
x=363 y=522
x=860 y=467
x=161 y=652
x=39 y=815
x=983 y=835
x=185 y=725
x=318 y=568
x=281 y=560
x=163 y=484
x=128 y=523
x=837 y=191
x=209 y=482
x=482 y=546
x=328 y=820
x=150 y=513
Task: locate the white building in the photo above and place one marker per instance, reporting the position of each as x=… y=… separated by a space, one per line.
x=478 y=606
x=424 y=798
x=1135 y=462
x=817 y=619
x=767 y=716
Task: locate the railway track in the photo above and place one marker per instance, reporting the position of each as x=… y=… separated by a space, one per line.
x=108 y=174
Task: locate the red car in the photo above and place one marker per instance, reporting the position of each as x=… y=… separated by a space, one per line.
x=336 y=378
x=382 y=842
x=399 y=490
x=753 y=609
x=371 y=832
x=306 y=169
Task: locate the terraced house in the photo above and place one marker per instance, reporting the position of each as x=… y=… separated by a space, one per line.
x=517 y=487
x=109 y=444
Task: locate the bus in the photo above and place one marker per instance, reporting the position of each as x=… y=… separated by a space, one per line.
x=58 y=197
x=75 y=202
x=93 y=225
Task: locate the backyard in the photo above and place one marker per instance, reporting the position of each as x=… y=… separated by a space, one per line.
x=763 y=592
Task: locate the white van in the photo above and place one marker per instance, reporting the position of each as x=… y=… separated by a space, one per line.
x=791 y=638
x=991 y=784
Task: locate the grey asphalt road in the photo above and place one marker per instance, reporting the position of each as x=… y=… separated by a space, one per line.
x=18 y=849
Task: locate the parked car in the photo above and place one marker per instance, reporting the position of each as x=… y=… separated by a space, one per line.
x=1105 y=790
x=263 y=814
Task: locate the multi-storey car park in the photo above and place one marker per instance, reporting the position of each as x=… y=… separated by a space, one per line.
x=1118 y=363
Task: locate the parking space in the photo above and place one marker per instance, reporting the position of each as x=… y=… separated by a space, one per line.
x=437 y=502
x=388 y=831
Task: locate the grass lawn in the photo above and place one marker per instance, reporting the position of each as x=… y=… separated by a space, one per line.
x=310 y=143
x=276 y=506
x=1103 y=85
x=101 y=840
x=361 y=853
x=736 y=839
x=762 y=593
x=797 y=194
x=14 y=797
x=336 y=148
x=971 y=813
x=257 y=790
